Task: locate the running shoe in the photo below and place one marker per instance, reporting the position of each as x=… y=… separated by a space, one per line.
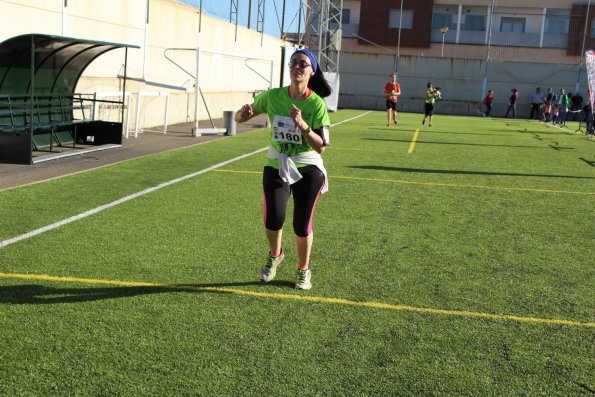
x=304 y=277
x=269 y=270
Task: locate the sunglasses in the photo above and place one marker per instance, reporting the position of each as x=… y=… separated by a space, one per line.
x=298 y=64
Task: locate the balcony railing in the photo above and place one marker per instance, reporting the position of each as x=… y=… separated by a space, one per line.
x=550 y=40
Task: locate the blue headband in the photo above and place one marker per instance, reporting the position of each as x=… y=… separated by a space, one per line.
x=310 y=55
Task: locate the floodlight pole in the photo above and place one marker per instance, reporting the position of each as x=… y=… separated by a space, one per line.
x=398 y=56
x=488 y=60
x=443 y=30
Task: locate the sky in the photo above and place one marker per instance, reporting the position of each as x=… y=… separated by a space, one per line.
x=272 y=13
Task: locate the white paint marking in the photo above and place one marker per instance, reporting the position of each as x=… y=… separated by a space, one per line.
x=96 y=210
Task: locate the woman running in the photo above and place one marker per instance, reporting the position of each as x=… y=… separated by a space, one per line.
x=432 y=94
x=298 y=136
x=392 y=90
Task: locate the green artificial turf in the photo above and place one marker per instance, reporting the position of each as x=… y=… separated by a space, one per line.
x=414 y=242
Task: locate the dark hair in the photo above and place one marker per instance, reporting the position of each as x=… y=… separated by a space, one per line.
x=429 y=85
x=319 y=85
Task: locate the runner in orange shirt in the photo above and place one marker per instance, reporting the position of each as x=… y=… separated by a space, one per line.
x=392 y=90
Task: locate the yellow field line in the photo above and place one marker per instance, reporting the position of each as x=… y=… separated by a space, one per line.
x=518 y=189
x=413 y=141
x=297 y=297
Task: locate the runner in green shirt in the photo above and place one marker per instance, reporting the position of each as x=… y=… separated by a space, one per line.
x=432 y=94
x=299 y=134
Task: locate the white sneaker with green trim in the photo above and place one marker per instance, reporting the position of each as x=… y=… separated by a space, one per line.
x=304 y=278
x=269 y=269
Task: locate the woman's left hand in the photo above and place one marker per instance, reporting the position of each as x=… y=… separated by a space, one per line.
x=296 y=115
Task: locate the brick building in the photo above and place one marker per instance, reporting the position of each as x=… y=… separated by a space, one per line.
x=521 y=30
x=467 y=46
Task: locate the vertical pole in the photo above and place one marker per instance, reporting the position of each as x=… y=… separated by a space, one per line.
x=542 y=32
x=398 y=56
x=299 y=31
x=249 y=12
x=128 y=114
x=64 y=17
x=283 y=21
x=200 y=17
x=32 y=77
x=197 y=91
x=124 y=86
x=94 y=117
x=485 y=72
x=146 y=40
x=137 y=117
x=166 y=113
x=459 y=16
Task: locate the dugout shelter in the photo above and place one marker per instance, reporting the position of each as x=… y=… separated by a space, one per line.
x=40 y=112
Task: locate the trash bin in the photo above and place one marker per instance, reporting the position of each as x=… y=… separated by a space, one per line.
x=229 y=122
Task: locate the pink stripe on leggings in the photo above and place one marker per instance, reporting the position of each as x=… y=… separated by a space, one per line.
x=314 y=206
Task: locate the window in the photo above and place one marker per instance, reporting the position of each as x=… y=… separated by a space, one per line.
x=557 y=21
x=394 y=17
x=346 y=16
x=512 y=25
x=474 y=22
x=439 y=20
x=593 y=27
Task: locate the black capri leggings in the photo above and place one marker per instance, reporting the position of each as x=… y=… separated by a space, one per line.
x=305 y=193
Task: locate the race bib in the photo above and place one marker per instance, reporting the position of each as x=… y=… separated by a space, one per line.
x=284 y=131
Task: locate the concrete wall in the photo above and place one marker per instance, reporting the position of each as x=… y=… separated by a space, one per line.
x=227 y=82
x=363 y=77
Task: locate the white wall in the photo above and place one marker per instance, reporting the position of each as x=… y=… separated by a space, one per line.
x=363 y=76
x=226 y=82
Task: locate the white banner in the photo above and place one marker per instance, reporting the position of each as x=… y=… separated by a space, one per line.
x=590 y=63
x=332 y=101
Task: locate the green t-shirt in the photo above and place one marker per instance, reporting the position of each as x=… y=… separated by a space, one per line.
x=431 y=96
x=277 y=104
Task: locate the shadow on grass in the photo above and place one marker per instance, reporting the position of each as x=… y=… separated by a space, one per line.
x=455 y=143
x=458 y=172
x=41 y=294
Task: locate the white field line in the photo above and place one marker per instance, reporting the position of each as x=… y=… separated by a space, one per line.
x=119 y=201
x=96 y=210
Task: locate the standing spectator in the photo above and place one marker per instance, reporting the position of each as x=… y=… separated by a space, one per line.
x=563 y=103
x=487 y=101
x=535 y=103
x=392 y=90
x=577 y=104
x=512 y=101
x=588 y=111
x=556 y=114
x=547 y=111
x=550 y=97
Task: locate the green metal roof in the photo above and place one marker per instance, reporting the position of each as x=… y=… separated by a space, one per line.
x=58 y=63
